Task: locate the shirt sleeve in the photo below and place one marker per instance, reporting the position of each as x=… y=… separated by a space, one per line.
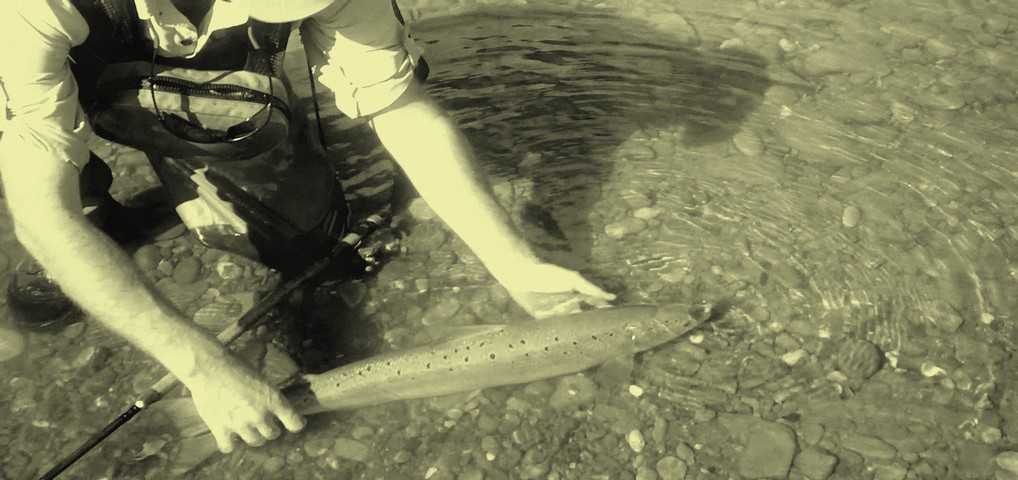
x=44 y=117
x=360 y=52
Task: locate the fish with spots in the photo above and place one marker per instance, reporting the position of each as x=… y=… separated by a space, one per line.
x=490 y=356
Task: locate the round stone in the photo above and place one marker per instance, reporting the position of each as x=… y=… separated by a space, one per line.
x=187 y=271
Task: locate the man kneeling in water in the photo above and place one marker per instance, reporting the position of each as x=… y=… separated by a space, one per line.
x=49 y=175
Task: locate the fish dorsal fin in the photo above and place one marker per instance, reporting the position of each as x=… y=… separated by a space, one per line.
x=445 y=333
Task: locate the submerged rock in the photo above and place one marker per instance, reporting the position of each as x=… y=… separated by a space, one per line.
x=12 y=343
x=351 y=450
x=769 y=453
x=572 y=391
x=816 y=463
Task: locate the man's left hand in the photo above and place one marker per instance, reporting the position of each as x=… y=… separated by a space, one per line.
x=545 y=290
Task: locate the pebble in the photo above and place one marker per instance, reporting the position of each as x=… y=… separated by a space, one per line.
x=635 y=440
x=890 y=472
x=990 y=434
x=792 y=358
x=1007 y=461
x=147 y=257
x=859 y=359
x=73 y=330
x=316 y=446
x=627 y=226
x=646 y=213
x=871 y=448
x=816 y=463
x=671 y=468
x=228 y=270
x=471 y=473
x=572 y=391
x=685 y=453
x=216 y=315
x=748 y=143
x=636 y=391
x=351 y=450
x=850 y=216
x=187 y=271
x=770 y=449
x=420 y=210
x=165 y=267
x=12 y=343
x=273 y=465
x=644 y=473
x=401 y=456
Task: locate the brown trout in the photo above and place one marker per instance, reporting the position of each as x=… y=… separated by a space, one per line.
x=491 y=356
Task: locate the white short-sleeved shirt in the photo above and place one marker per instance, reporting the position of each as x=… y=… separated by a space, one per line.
x=359 y=46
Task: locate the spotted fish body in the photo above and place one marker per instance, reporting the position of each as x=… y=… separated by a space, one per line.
x=500 y=355
x=504 y=355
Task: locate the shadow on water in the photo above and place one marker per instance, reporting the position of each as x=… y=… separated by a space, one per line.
x=547 y=98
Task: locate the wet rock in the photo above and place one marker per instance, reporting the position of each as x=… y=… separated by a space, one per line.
x=812 y=432
x=273 y=465
x=470 y=473
x=147 y=257
x=12 y=343
x=850 y=216
x=646 y=213
x=1007 y=461
x=316 y=446
x=770 y=448
x=942 y=101
x=181 y=295
x=859 y=359
x=165 y=267
x=635 y=440
x=871 y=448
x=939 y=49
x=402 y=456
x=748 y=143
x=890 y=472
x=73 y=330
x=187 y=271
x=420 y=210
x=217 y=315
x=228 y=270
x=671 y=468
x=816 y=463
x=624 y=227
x=685 y=453
x=834 y=59
x=572 y=391
x=975 y=460
x=351 y=450
x=635 y=199
x=445 y=309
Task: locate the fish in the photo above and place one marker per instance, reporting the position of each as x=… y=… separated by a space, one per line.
x=488 y=356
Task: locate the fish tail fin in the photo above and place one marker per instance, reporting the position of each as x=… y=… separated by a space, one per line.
x=196 y=442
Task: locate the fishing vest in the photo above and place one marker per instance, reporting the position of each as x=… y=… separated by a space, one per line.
x=191 y=107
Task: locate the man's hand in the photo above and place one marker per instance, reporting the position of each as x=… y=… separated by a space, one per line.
x=544 y=289
x=233 y=399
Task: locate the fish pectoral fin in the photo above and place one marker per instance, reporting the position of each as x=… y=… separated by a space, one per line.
x=442 y=333
x=616 y=374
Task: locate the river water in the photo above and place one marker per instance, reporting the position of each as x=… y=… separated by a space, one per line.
x=843 y=171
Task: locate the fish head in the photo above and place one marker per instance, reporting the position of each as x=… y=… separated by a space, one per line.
x=678 y=318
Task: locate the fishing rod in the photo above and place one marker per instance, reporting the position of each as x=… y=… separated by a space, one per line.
x=343 y=250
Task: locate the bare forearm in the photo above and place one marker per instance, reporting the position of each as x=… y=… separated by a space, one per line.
x=439 y=161
x=94 y=272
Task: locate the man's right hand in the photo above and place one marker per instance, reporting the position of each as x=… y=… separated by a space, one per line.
x=233 y=399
